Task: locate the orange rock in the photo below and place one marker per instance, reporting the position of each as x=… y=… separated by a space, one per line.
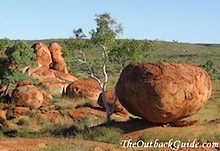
x=58 y=61
x=87 y=88
x=27 y=96
x=92 y=116
x=54 y=116
x=47 y=97
x=43 y=54
x=53 y=80
x=24 y=82
x=18 y=111
x=3 y=114
x=49 y=116
x=163 y=92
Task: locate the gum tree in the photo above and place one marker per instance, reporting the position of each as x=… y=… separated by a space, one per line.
x=104 y=37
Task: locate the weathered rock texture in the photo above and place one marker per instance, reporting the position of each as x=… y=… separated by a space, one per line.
x=28 y=96
x=43 y=54
x=58 y=61
x=163 y=92
x=87 y=88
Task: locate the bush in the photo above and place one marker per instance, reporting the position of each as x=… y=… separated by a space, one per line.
x=209 y=67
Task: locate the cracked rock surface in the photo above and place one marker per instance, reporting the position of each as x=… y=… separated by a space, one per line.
x=163 y=92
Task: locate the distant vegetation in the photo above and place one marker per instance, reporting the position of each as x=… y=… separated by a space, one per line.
x=197 y=54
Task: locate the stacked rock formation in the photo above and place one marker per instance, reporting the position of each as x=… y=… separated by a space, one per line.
x=163 y=92
x=42 y=54
x=58 y=61
x=52 y=70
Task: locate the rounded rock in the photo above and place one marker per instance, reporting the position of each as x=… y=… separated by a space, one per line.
x=163 y=92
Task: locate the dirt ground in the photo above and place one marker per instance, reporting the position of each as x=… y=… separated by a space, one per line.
x=29 y=144
x=34 y=144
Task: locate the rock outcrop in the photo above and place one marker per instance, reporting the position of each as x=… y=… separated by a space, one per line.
x=53 y=80
x=58 y=61
x=163 y=92
x=43 y=55
x=87 y=88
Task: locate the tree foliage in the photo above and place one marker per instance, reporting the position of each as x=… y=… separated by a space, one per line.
x=103 y=37
x=5 y=44
x=127 y=51
x=106 y=31
x=20 y=55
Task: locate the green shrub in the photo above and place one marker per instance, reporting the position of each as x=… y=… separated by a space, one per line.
x=209 y=67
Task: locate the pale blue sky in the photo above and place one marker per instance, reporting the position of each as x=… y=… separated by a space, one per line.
x=183 y=20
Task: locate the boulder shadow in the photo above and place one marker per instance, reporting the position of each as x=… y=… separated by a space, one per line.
x=133 y=124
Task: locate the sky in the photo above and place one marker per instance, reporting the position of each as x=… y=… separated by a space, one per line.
x=193 y=21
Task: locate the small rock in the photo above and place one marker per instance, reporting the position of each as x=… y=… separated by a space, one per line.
x=19 y=111
x=3 y=114
x=27 y=96
x=84 y=88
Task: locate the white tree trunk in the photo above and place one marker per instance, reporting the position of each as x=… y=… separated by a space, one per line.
x=109 y=110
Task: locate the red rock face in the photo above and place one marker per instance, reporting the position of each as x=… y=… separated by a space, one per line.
x=88 y=88
x=43 y=54
x=58 y=61
x=163 y=92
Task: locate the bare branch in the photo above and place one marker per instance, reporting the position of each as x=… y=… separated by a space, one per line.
x=89 y=68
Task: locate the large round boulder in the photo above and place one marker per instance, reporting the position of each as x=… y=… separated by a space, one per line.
x=163 y=92
x=84 y=88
